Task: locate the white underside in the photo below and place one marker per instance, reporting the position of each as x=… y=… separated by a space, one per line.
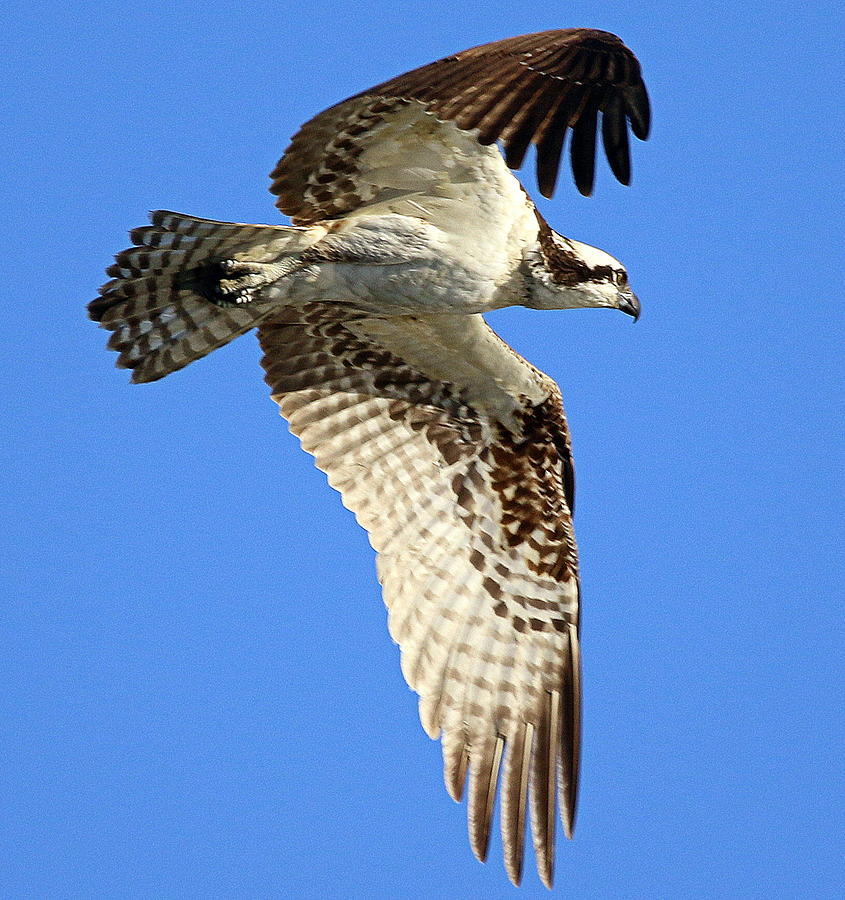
x=445 y=228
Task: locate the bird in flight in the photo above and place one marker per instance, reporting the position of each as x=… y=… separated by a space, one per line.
x=451 y=449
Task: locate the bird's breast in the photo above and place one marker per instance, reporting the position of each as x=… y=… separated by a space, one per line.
x=397 y=264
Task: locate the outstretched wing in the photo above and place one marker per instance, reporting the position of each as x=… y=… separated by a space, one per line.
x=522 y=90
x=453 y=453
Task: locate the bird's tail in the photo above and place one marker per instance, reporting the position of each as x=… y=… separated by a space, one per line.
x=175 y=295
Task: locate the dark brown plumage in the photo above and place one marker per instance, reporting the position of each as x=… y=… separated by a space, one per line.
x=521 y=90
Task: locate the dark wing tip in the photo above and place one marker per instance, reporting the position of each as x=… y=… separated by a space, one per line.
x=531 y=88
x=638 y=108
x=556 y=81
x=615 y=138
x=571 y=735
x=583 y=148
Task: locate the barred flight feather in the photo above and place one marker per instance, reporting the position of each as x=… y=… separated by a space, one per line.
x=478 y=569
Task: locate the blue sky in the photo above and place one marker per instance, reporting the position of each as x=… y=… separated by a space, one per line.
x=200 y=698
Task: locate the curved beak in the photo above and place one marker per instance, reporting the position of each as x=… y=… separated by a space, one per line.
x=629 y=303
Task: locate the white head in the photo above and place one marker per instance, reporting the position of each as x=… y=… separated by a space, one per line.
x=565 y=274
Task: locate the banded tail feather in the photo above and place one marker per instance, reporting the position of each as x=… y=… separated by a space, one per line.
x=175 y=296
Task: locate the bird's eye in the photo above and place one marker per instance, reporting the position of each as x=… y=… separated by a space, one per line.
x=620 y=278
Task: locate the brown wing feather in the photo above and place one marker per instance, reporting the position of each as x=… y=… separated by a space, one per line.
x=505 y=90
x=471 y=520
x=454 y=88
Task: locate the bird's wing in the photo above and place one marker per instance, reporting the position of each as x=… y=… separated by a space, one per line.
x=522 y=90
x=453 y=453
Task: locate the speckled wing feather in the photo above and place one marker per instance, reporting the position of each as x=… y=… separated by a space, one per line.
x=453 y=453
x=522 y=90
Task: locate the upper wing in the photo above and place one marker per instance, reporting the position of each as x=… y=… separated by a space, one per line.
x=522 y=90
x=453 y=453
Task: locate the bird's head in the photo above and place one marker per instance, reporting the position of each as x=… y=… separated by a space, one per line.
x=565 y=274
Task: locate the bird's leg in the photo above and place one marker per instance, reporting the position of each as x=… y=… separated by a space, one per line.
x=236 y=282
x=242 y=281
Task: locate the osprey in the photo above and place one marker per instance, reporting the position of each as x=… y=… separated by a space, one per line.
x=451 y=449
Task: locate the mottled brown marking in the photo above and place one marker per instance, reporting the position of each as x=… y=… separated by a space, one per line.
x=487 y=541
x=387 y=104
x=449 y=450
x=358 y=128
x=465 y=499
x=528 y=476
x=391 y=376
x=532 y=602
x=493 y=588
